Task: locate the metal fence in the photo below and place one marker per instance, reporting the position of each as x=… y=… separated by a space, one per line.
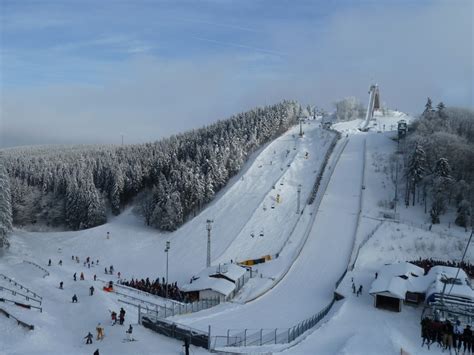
x=241 y=281
x=140 y=292
x=19 y=322
x=258 y=337
x=19 y=304
x=27 y=290
x=174 y=309
x=16 y=293
x=178 y=331
x=322 y=169
x=355 y=251
x=46 y=272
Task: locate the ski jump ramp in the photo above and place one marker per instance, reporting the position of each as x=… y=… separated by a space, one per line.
x=374 y=103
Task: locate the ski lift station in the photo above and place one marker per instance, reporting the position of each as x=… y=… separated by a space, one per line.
x=406 y=283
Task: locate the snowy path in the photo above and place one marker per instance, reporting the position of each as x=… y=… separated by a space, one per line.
x=309 y=284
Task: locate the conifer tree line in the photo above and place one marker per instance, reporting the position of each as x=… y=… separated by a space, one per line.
x=5 y=206
x=440 y=163
x=172 y=179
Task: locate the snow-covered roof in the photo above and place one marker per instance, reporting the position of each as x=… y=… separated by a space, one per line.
x=223 y=286
x=448 y=271
x=204 y=281
x=438 y=276
x=401 y=268
x=397 y=279
x=231 y=271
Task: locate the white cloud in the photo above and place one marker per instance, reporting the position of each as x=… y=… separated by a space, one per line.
x=412 y=52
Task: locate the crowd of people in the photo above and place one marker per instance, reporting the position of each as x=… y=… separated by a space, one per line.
x=427 y=264
x=447 y=336
x=157 y=288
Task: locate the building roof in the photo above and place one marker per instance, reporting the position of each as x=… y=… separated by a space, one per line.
x=220 y=278
x=444 y=278
x=230 y=271
x=222 y=286
x=396 y=279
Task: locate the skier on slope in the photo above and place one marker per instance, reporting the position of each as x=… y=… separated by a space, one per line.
x=82 y=276
x=129 y=333
x=88 y=338
x=121 y=316
x=113 y=316
x=100 y=332
x=91 y=289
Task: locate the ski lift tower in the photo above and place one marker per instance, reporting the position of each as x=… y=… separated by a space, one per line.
x=167 y=249
x=301 y=118
x=209 y=228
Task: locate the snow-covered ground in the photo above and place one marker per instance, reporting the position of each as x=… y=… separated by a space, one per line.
x=355 y=326
x=309 y=285
x=137 y=251
x=316 y=247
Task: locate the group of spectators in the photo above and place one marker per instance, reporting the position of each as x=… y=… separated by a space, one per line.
x=447 y=335
x=156 y=288
x=427 y=264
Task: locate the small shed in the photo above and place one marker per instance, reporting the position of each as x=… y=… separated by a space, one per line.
x=398 y=283
x=215 y=282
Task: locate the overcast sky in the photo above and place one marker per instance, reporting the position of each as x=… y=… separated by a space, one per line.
x=90 y=71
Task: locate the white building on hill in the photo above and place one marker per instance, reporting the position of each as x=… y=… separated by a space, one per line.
x=221 y=282
x=405 y=282
x=397 y=283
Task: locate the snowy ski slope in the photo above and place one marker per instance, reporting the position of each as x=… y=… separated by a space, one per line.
x=289 y=290
x=309 y=284
x=137 y=251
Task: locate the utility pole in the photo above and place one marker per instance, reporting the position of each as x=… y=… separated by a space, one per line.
x=167 y=249
x=298 y=200
x=209 y=228
x=301 y=126
x=396 y=187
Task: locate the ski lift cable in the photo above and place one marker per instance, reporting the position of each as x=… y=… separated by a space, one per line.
x=462 y=260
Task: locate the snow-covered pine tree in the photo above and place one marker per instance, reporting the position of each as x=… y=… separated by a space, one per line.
x=441 y=110
x=116 y=190
x=442 y=168
x=94 y=209
x=5 y=206
x=416 y=168
x=208 y=188
x=442 y=176
x=463 y=214
x=428 y=112
x=48 y=178
x=172 y=213
x=437 y=207
x=73 y=208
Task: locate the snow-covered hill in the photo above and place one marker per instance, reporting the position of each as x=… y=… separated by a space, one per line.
x=344 y=226
x=137 y=251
